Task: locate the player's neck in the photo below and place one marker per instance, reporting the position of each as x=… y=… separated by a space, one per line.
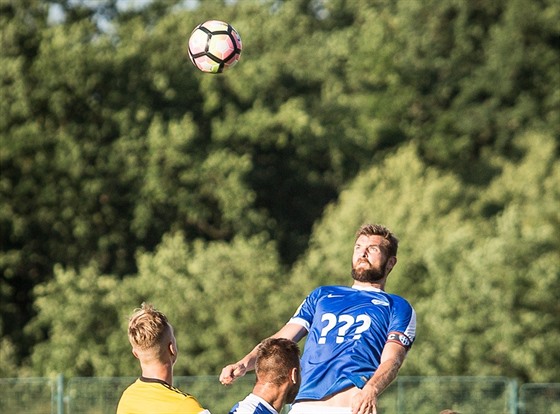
x=271 y=393
x=158 y=371
x=376 y=285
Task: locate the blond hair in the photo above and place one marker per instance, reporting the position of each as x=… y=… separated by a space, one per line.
x=148 y=329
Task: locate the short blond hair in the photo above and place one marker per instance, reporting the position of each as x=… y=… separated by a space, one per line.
x=148 y=328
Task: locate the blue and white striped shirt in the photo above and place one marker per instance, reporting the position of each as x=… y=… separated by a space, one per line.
x=253 y=404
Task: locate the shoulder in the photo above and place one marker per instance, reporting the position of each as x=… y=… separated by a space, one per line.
x=399 y=301
x=253 y=404
x=191 y=402
x=326 y=290
x=150 y=395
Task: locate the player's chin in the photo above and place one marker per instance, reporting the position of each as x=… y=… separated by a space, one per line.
x=366 y=275
x=358 y=274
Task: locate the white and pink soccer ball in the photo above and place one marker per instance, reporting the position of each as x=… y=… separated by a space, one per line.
x=214 y=46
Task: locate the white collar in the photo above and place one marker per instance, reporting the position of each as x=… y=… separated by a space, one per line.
x=368 y=288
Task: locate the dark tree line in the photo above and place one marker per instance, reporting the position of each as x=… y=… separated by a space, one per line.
x=126 y=175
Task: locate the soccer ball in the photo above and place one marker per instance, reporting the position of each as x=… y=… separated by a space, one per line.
x=214 y=46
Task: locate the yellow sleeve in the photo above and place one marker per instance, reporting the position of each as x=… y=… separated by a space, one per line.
x=190 y=405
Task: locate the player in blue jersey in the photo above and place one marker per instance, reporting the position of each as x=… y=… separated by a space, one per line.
x=278 y=378
x=357 y=337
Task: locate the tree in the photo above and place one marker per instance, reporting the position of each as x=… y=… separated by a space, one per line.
x=480 y=267
x=207 y=290
x=110 y=139
x=477 y=75
x=84 y=111
x=22 y=24
x=210 y=290
x=518 y=263
x=79 y=312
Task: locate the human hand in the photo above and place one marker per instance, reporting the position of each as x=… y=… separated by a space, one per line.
x=364 y=402
x=231 y=372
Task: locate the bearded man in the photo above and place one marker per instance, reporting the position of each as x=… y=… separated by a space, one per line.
x=357 y=337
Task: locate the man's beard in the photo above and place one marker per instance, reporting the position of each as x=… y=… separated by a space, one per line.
x=369 y=275
x=292 y=393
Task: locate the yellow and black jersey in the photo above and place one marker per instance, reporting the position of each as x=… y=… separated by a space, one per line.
x=153 y=396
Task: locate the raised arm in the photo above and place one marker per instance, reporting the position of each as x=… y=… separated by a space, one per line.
x=231 y=372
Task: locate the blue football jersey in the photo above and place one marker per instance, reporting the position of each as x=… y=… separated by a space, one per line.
x=253 y=404
x=347 y=330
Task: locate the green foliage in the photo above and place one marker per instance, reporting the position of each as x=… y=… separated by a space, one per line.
x=207 y=290
x=521 y=259
x=78 y=312
x=484 y=288
x=186 y=186
x=126 y=170
x=402 y=193
x=8 y=355
x=471 y=75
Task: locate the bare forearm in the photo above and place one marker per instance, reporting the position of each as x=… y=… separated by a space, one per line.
x=249 y=360
x=288 y=332
x=384 y=376
x=366 y=400
x=247 y=363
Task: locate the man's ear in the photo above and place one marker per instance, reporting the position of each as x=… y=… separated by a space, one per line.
x=391 y=262
x=135 y=353
x=294 y=375
x=172 y=349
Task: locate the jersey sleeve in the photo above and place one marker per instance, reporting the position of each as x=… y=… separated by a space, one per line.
x=402 y=329
x=190 y=405
x=306 y=311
